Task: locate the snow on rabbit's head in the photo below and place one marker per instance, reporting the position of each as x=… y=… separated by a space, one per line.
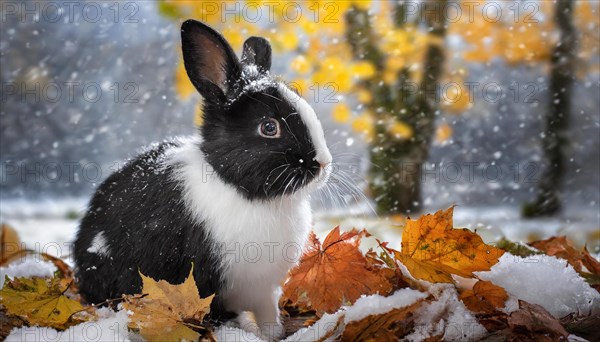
x=257 y=134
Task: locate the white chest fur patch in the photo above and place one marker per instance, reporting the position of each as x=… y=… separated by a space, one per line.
x=261 y=240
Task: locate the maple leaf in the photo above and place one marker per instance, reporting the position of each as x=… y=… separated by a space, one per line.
x=40 y=301
x=433 y=250
x=485 y=297
x=168 y=312
x=335 y=273
x=388 y=326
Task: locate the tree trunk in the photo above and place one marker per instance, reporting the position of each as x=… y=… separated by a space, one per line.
x=548 y=198
x=395 y=174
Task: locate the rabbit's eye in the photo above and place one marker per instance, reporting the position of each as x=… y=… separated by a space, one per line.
x=269 y=128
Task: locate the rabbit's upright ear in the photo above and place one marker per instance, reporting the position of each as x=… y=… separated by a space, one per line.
x=257 y=51
x=209 y=60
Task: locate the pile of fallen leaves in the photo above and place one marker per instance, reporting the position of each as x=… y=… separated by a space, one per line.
x=332 y=275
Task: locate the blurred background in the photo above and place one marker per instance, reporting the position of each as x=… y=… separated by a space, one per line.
x=493 y=106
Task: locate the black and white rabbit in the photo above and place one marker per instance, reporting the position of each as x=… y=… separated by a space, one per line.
x=234 y=199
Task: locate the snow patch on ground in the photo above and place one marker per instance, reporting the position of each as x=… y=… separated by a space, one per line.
x=30 y=266
x=447 y=316
x=546 y=281
x=111 y=326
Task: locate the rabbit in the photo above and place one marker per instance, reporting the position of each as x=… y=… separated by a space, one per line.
x=233 y=199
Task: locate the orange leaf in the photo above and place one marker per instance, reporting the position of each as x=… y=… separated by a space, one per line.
x=334 y=273
x=561 y=247
x=485 y=297
x=432 y=249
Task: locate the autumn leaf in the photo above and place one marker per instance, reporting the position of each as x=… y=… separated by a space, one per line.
x=433 y=250
x=389 y=326
x=40 y=301
x=10 y=245
x=334 y=273
x=485 y=297
x=168 y=312
x=536 y=322
x=561 y=247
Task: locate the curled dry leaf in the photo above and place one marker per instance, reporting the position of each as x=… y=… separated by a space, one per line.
x=335 y=273
x=485 y=297
x=388 y=326
x=536 y=323
x=40 y=301
x=433 y=250
x=169 y=312
x=561 y=247
x=10 y=245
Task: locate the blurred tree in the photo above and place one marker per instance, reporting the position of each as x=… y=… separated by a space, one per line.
x=542 y=32
x=562 y=74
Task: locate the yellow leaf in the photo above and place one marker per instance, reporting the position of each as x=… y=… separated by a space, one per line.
x=183 y=86
x=363 y=124
x=433 y=250
x=400 y=130
x=166 y=311
x=300 y=86
x=341 y=113
x=363 y=70
x=364 y=96
x=300 y=65
x=40 y=301
x=198 y=114
x=443 y=133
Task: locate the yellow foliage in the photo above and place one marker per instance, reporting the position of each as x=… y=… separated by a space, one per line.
x=433 y=250
x=183 y=86
x=341 y=113
x=363 y=124
x=234 y=37
x=300 y=85
x=198 y=114
x=284 y=40
x=363 y=70
x=456 y=96
x=400 y=130
x=166 y=311
x=364 y=96
x=300 y=65
x=40 y=301
x=443 y=133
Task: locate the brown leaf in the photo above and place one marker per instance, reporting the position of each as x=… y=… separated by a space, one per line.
x=485 y=297
x=562 y=248
x=535 y=322
x=389 y=326
x=433 y=250
x=169 y=312
x=10 y=245
x=590 y=262
x=334 y=273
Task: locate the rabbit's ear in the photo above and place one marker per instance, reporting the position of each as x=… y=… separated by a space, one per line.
x=209 y=60
x=257 y=50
